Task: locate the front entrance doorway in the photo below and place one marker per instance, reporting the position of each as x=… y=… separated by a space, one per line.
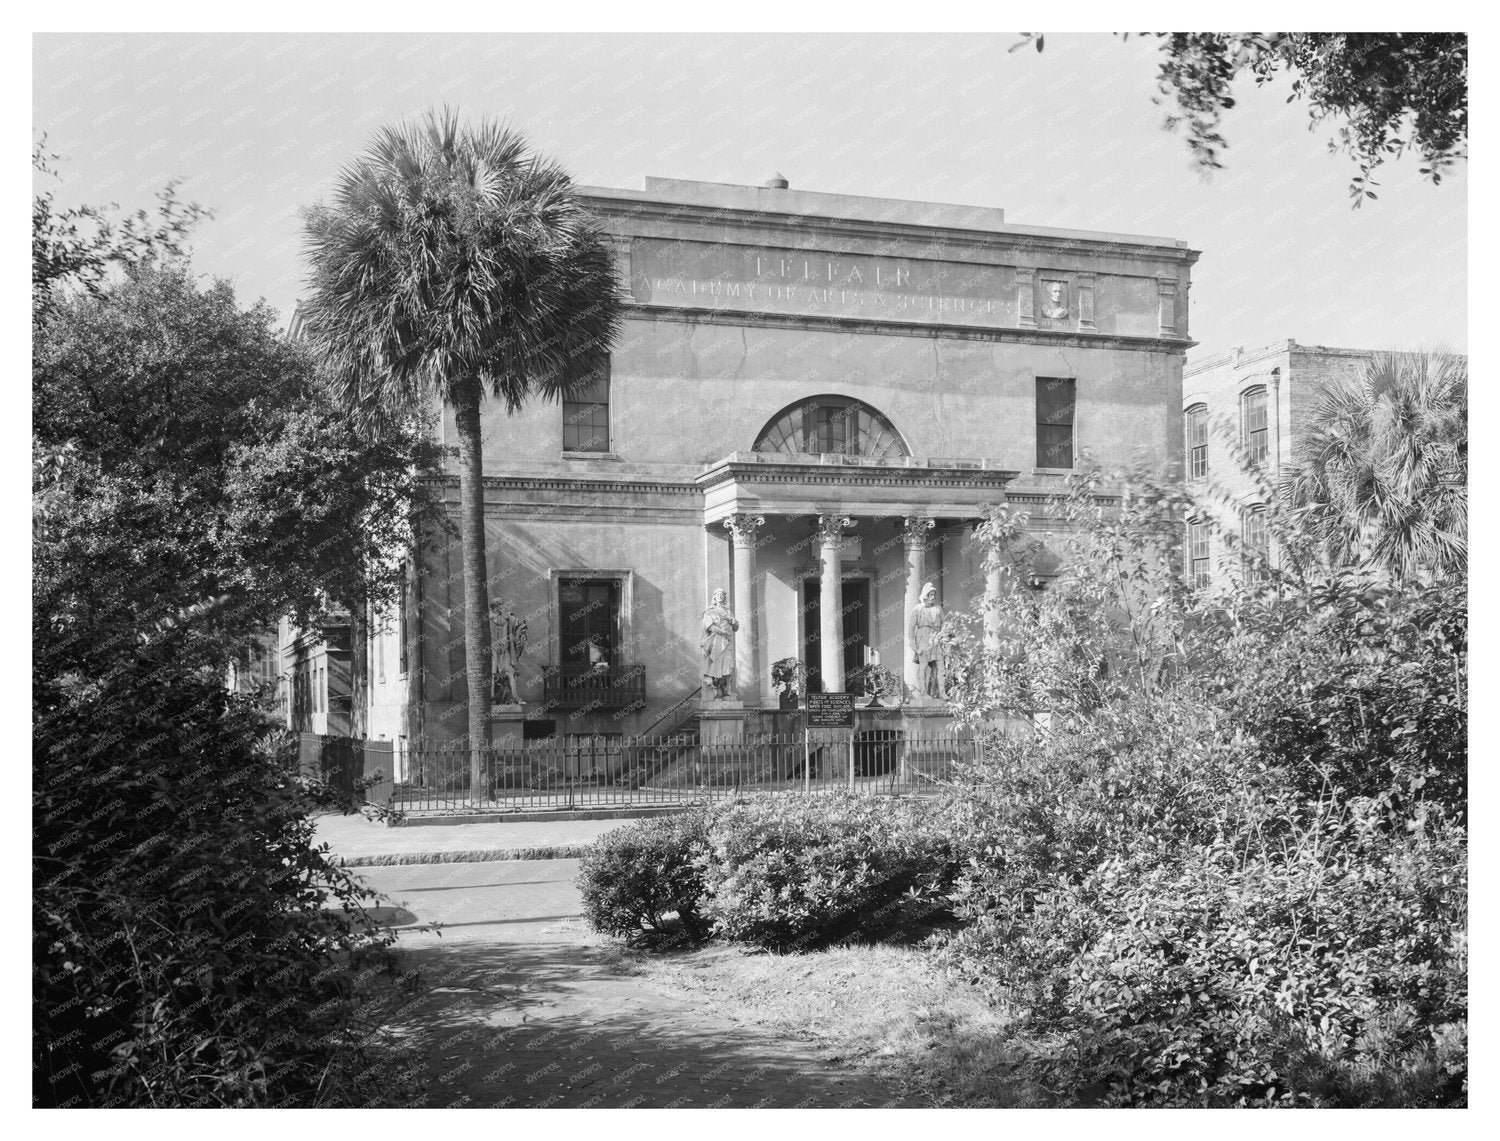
x=856 y=632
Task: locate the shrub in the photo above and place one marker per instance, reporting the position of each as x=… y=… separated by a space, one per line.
x=186 y=946
x=1335 y=977
x=633 y=877
x=798 y=871
x=1235 y=870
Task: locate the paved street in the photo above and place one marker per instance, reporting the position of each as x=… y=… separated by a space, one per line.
x=506 y=901
x=358 y=842
x=526 y=1008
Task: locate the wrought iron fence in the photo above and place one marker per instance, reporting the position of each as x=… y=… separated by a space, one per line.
x=603 y=771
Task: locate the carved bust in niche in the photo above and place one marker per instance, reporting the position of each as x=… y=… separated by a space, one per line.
x=1056 y=304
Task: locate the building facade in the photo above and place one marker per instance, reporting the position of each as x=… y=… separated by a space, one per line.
x=814 y=398
x=1245 y=409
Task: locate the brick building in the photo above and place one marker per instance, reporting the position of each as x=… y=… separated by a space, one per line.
x=1255 y=400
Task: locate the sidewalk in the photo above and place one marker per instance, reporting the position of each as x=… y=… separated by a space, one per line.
x=357 y=842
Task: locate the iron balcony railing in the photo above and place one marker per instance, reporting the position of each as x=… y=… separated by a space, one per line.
x=588 y=771
x=573 y=688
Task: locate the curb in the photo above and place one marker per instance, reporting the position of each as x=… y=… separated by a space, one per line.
x=544 y=816
x=470 y=856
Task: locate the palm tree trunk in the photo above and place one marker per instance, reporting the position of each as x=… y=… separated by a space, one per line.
x=476 y=580
x=359 y=671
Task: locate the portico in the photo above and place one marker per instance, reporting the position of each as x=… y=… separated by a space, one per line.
x=828 y=554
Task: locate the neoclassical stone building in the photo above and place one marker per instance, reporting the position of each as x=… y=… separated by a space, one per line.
x=814 y=397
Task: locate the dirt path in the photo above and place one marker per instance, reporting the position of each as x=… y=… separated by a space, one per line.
x=526 y=1008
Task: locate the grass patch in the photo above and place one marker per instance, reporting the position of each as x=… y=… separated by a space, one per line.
x=883 y=1006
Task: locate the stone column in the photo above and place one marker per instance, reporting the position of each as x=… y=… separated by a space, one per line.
x=914 y=530
x=747 y=641
x=993 y=568
x=831 y=600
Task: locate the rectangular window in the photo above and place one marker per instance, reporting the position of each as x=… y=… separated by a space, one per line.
x=589 y=624
x=1254 y=423
x=380 y=654
x=1055 y=402
x=1196 y=423
x=1255 y=533
x=586 y=414
x=1198 y=554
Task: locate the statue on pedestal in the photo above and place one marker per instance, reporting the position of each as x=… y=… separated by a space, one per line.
x=924 y=632
x=717 y=644
x=507 y=644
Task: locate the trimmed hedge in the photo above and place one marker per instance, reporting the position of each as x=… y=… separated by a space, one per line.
x=634 y=877
x=801 y=871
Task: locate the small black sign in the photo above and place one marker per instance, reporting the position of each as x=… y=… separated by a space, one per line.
x=830 y=711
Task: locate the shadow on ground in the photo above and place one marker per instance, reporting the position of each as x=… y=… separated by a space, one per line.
x=566 y=1025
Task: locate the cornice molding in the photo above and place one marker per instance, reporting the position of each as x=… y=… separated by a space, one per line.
x=571 y=483
x=1053 y=338
x=996 y=241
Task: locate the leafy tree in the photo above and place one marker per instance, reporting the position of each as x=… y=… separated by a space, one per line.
x=183 y=947
x=334 y=511
x=1381 y=467
x=1107 y=627
x=1240 y=878
x=454 y=264
x=76 y=248
x=195 y=473
x=1391 y=92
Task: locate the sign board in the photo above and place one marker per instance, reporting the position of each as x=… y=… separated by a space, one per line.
x=830 y=711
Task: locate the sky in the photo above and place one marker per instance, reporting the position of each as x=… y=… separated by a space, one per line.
x=255 y=127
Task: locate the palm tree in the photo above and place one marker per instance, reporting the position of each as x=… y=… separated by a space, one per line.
x=1380 y=468
x=454 y=263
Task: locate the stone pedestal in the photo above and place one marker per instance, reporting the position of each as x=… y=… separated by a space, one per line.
x=508 y=765
x=721 y=722
x=505 y=725
x=927 y=722
x=721 y=727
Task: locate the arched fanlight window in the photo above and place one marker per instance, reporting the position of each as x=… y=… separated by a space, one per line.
x=831 y=424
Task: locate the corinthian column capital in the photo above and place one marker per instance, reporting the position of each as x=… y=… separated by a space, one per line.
x=742 y=527
x=831 y=528
x=914 y=531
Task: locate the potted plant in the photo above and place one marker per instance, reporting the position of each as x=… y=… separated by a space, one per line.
x=789 y=677
x=884 y=686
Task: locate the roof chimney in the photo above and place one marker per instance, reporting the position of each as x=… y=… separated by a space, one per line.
x=777 y=181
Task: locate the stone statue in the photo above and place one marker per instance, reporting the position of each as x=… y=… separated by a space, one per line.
x=1056 y=305
x=719 y=626
x=923 y=630
x=507 y=644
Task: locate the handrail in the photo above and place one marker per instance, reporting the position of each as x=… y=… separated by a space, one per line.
x=671 y=709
